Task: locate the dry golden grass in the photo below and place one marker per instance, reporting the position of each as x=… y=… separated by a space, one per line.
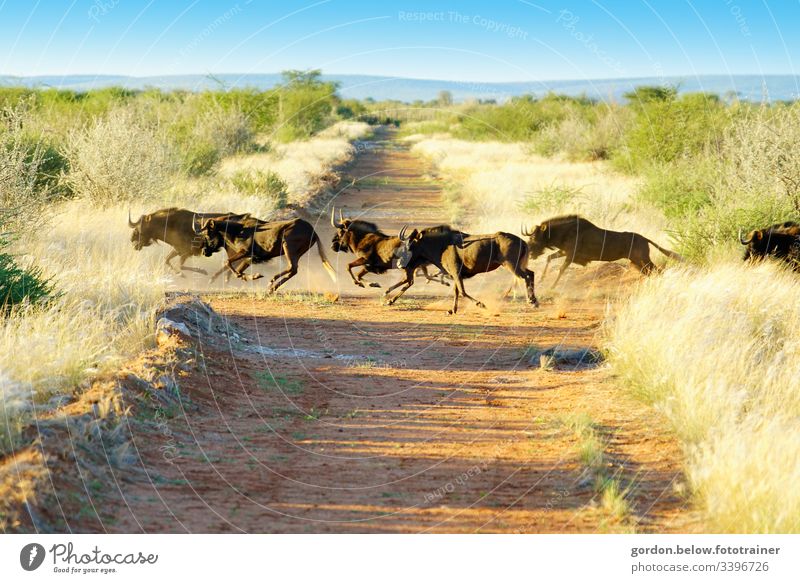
x=719 y=351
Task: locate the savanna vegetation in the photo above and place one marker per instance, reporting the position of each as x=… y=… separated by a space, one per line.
x=76 y=299
x=713 y=342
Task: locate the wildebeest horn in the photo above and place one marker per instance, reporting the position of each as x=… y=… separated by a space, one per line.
x=334 y=224
x=194 y=224
x=402 y=234
x=131 y=224
x=526 y=232
x=742 y=241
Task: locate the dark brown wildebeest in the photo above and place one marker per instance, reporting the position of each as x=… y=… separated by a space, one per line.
x=464 y=256
x=173 y=226
x=375 y=253
x=254 y=241
x=781 y=241
x=582 y=242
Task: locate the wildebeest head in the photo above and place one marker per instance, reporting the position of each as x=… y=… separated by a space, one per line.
x=349 y=232
x=142 y=235
x=342 y=227
x=427 y=242
x=777 y=240
x=404 y=252
x=538 y=239
x=211 y=237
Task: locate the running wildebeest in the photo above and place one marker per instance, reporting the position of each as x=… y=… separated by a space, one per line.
x=582 y=242
x=254 y=241
x=375 y=253
x=174 y=226
x=464 y=256
x=781 y=241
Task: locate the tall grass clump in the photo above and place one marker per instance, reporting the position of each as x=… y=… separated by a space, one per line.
x=118 y=158
x=720 y=355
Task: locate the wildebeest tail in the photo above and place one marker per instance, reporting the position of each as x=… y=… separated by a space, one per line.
x=667 y=252
x=328 y=267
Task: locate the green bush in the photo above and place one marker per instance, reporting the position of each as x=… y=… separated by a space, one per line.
x=305 y=105
x=198 y=158
x=520 y=119
x=672 y=128
x=262 y=184
x=678 y=189
x=19 y=285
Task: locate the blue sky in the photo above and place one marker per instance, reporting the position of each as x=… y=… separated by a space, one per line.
x=500 y=40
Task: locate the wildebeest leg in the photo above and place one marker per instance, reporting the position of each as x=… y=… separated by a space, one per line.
x=218 y=273
x=242 y=266
x=556 y=255
x=172 y=255
x=439 y=277
x=194 y=269
x=511 y=288
x=458 y=284
x=454 y=309
x=288 y=274
x=529 y=280
x=357 y=278
x=223 y=269
x=364 y=271
x=646 y=267
x=239 y=271
x=561 y=271
x=406 y=283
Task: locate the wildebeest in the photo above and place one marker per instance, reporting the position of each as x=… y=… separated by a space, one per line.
x=781 y=241
x=375 y=253
x=173 y=226
x=254 y=241
x=463 y=256
x=582 y=242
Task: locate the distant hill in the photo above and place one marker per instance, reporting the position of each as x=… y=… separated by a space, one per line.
x=749 y=87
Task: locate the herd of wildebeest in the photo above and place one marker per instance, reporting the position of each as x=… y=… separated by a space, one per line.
x=458 y=255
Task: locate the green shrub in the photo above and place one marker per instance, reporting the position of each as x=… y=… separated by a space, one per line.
x=678 y=189
x=670 y=129
x=518 y=120
x=305 y=105
x=262 y=184
x=20 y=285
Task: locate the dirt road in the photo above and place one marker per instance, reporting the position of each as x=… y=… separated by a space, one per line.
x=340 y=414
